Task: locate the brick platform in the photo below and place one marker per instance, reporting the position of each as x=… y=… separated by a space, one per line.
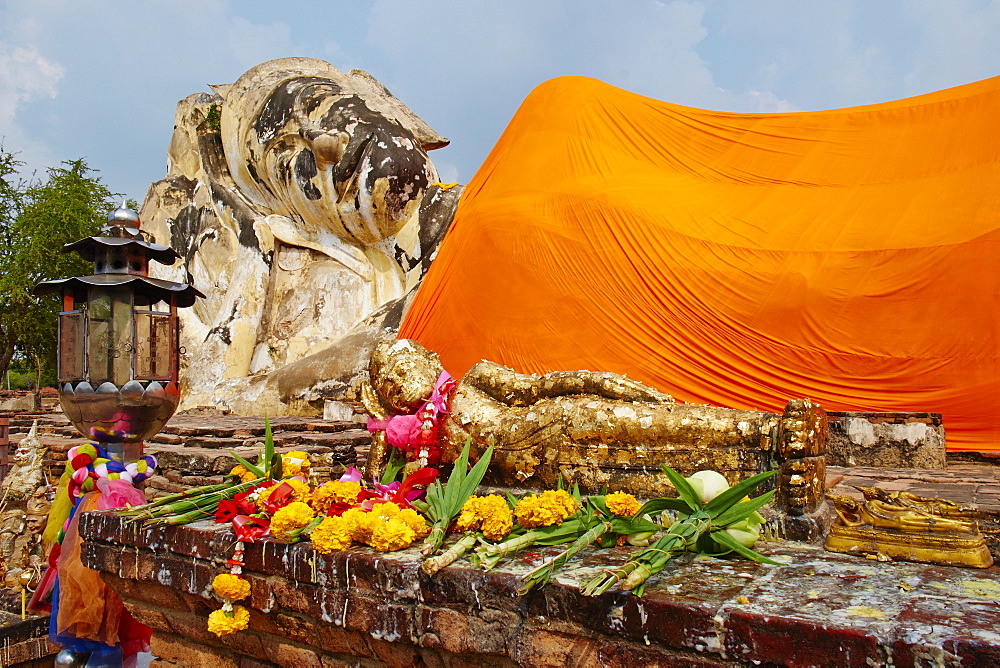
x=24 y=642
x=361 y=607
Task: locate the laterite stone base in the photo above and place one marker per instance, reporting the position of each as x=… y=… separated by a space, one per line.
x=365 y=608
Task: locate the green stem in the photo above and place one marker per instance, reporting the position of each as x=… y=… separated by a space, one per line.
x=454 y=553
x=434 y=540
x=490 y=555
x=542 y=574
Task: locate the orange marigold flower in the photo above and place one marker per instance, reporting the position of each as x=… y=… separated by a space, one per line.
x=223 y=623
x=233 y=587
x=622 y=503
x=333 y=533
x=551 y=507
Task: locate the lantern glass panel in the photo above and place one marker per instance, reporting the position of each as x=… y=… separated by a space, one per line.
x=109 y=315
x=71 y=346
x=153 y=344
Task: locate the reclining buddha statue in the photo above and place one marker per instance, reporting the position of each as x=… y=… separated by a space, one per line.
x=305 y=206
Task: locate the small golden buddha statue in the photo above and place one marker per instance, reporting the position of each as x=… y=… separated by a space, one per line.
x=594 y=429
x=902 y=525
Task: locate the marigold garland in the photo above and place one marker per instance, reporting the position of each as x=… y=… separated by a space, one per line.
x=622 y=504
x=415 y=521
x=233 y=587
x=359 y=523
x=223 y=622
x=295 y=515
x=242 y=473
x=295 y=463
x=551 y=507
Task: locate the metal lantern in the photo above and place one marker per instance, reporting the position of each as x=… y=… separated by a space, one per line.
x=118 y=338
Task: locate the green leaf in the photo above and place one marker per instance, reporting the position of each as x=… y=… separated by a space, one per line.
x=742 y=510
x=396 y=463
x=477 y=473
x=268 y=456
x=458 y=472
x=630 y=525
x=276 y=467
x=723 y=501
x=249 y=467
x=725 y=540
x=420 y=506
x=656 y=506
x=683 y=487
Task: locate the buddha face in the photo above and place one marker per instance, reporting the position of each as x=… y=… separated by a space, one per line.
x=322 y=155
x=403 y=373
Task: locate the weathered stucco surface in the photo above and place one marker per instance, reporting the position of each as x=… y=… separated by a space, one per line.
x=306 y=209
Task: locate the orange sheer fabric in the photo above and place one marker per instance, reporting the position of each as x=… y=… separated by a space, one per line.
x=849 y=256
x=87 y=608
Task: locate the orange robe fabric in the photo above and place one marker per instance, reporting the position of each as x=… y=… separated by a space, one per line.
x=849 y=256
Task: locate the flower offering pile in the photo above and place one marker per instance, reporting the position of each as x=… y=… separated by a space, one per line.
x=279 y=499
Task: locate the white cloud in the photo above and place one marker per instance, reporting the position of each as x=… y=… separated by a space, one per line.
x=25 y=76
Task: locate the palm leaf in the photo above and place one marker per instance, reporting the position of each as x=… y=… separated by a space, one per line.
x=657 y=506
x=478 y=472
x=392 y=468
x=724 y=501
x=268 y=456
x=247 y=465
x=684 y=488
x=725 y=540
x=742 y=510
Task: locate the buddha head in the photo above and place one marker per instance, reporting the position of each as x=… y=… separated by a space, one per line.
x=403 y=374
x=335 y=152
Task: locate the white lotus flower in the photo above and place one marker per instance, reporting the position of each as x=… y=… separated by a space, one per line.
x=708 y=484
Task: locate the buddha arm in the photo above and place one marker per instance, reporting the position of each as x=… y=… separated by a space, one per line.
x=517 y=389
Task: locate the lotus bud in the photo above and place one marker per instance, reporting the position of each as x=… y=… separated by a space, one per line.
x=747 y=531
x=708 y=484
x=640 y=539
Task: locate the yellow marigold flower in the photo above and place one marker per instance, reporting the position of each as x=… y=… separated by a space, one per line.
x=622 y=503
x=385 y=510
x=242 y=473
x=333 y=533
x=300 y=492
x=336 y=491
x=290 y=518
x=469 y=518
x=233 y=587
x=415 y=521
x=490 y=514
x=220 y=623
x=391 y=534
x=497 y=518
x=295 y=463
x=359 y=523
x=552 y=507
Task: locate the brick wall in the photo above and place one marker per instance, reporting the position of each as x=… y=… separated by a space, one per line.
x=360 y=607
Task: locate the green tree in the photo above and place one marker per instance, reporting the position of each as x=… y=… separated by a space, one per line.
x=70 y=204
x=11 y=199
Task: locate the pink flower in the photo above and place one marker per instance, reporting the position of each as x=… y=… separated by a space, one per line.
x=118 y=494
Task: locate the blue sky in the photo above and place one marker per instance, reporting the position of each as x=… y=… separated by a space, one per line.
x=99 y=79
